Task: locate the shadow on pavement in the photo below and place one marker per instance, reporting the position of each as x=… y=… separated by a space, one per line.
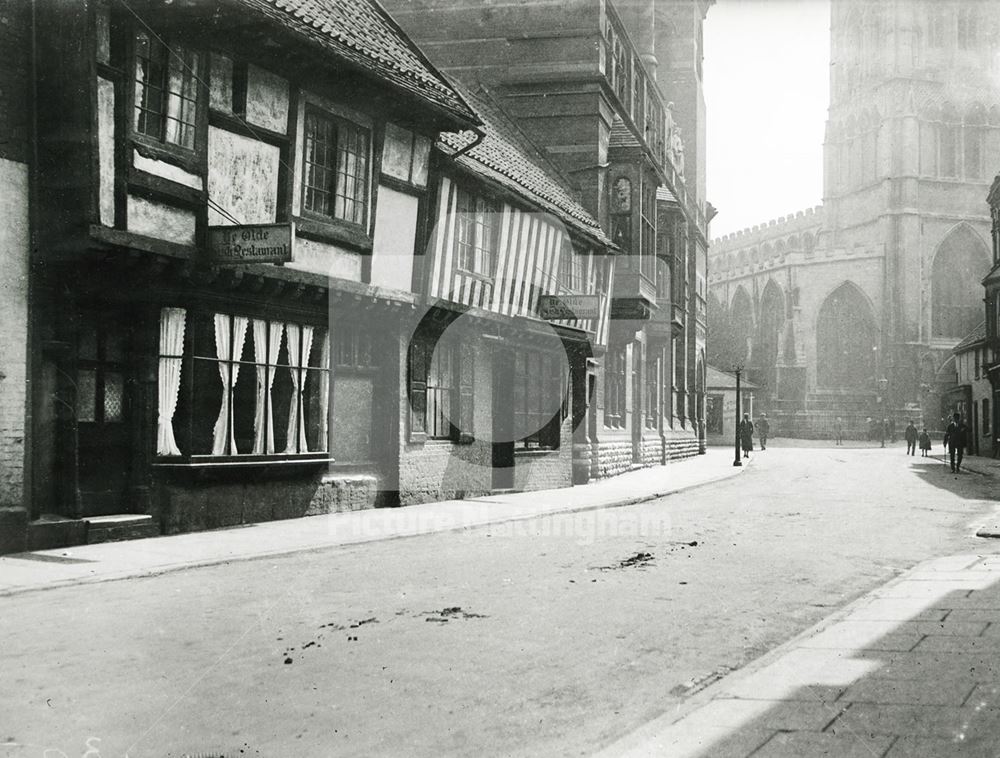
x=912 y=671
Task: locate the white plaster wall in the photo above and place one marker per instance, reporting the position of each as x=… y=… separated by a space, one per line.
x=395 y=236
x=161 y=221
x=329 y=260
x=267 y=99
x=242 y=178
x=106 y=149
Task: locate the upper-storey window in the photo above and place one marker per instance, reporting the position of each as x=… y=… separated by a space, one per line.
x=335 y=176
x=405 y=155
x=167 y=91
x=475 y=232
x=571 y=268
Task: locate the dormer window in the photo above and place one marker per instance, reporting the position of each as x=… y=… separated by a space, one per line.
x=167 y=91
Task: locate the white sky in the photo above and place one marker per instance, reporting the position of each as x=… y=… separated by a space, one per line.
x=767 y=85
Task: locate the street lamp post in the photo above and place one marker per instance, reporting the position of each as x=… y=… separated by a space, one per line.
x=737 y=368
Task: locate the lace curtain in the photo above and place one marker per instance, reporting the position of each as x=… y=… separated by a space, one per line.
x=172 y=321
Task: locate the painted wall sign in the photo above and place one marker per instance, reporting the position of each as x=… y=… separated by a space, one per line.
x=554 y=307
x=251 y=243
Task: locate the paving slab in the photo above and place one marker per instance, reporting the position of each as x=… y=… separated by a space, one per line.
x=799 y=744
x=911 y=669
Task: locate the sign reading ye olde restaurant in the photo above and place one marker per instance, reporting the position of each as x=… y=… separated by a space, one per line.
x=253 y=243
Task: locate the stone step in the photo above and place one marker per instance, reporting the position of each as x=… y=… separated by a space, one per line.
x=122 y=526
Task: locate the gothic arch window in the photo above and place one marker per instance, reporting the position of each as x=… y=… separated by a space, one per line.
x=808 y=242
x=960 y=263
x=929 y=119
x=846 y=341
x=793 y=244
x=871 y=147
x=968 y=26
x=949 y=135
x=741 y=315
x=974 y=136
x=779 y=249
x=938 y=21
x=772 y=319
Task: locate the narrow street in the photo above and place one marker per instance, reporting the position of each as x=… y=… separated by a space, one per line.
x=554 y=636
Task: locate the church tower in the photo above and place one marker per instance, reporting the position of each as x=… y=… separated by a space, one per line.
x=913 y=138
x=902 y=238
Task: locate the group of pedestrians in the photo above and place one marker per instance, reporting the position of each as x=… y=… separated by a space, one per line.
x=913 y=437
x=747 y=428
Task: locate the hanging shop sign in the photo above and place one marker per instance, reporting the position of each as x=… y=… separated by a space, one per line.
x=558 y=307
x=251 y=243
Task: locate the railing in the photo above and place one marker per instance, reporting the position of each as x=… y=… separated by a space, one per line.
x=642 y=102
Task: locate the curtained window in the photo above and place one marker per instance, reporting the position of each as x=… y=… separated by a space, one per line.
x=336 y=168
x=167 y=91
x=231 y=385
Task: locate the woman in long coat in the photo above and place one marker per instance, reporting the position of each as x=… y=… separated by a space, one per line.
x=746 y=434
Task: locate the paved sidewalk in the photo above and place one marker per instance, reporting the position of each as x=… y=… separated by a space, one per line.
x=117 y=560
x=977 y=463
x=911 y=669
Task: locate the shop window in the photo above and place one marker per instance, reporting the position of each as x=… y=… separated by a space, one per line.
x=405 y=155
x=239 y=386
x=476 y=228
x=441 y=379
x=335 y=175
x=615 y=379
x=167 y=91
x=539 y=390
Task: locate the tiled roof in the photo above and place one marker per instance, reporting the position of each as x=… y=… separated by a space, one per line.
x=621 y=135
x=505 y=156
x=974 y=337
x=663 y=193
x=362 y=32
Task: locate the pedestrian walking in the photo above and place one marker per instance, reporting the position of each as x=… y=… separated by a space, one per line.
x=763 y=429
x=925 y=443
x=838 y=430
x=911 y=438
x=746 y=435
x=954 y=440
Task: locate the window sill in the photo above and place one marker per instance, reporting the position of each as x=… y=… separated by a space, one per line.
x=186 y=158
x=334 y=232
x=230 y=463
x=535 y=452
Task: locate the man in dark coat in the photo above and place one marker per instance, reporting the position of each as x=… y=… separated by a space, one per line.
x=746 y=435
x=911 y=438
x=954 y=440
x=763 y=429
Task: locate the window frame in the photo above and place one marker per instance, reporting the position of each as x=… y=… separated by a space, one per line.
x=461 y=404
x=189 y=158
x=482 y=216
x=540 y=392
x=185 y=434
x=336 y=122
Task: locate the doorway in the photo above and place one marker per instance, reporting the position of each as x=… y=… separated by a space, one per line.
x=103 y=406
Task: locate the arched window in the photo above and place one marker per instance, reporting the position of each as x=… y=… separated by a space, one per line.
x=973 y=137
x=938 y=20
x=846 y=341
x=808 y=242
x=948 y=136
x=871 y=148
x=741 y=315
x=772 y=319
x=968 y=26
x=960 y=264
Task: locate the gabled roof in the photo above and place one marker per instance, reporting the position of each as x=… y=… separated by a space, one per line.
x=506 y=156
x=363 y=33
x=975 y=337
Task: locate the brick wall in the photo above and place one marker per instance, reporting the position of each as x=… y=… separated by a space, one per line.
x=14 y=243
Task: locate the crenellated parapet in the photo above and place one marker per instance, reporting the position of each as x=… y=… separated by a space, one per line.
x=744 y=264
x=808 y=220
